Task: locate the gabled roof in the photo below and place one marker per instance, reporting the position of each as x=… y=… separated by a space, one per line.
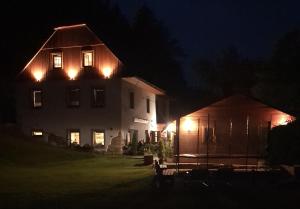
x=144 y=85
x=70 y=36
x=79 y=35
x=236 y=101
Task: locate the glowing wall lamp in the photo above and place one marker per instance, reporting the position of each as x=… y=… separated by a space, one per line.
x=171 y=127
x=38 y=75
x=107 y=71
x=188 y=125
x=72 y=73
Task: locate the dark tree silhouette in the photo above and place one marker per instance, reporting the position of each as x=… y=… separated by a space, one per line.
x=279 y=80
x=228 y=73
x=156 y=55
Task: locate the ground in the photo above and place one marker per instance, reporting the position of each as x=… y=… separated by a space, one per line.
x=35 y=175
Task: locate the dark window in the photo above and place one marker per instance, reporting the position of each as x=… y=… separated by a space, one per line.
x=37 y=98
x=131 y=100
x=98 y=97
x=74 y=97
x=148 y=105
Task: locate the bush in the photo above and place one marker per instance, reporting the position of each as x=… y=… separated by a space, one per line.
x=284 y=144
x=86 y=148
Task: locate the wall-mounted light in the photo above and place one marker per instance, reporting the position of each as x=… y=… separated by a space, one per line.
x=171 y=127
x=38 y=75
x=107 y=72
x=72 y=73
x=188 y=125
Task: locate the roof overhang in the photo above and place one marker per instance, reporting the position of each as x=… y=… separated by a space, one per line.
x=144 y=85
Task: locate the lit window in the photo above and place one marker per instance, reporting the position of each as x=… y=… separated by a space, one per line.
x=131 y=100
x=87 y=58
x=37 y=98
x=37 y=133
x=98 y=97
x=57 y=60
x=148 y=105
x=75 y=137
x=98 y=137
x=74 y=97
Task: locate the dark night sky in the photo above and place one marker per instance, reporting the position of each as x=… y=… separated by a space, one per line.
x=204 y=27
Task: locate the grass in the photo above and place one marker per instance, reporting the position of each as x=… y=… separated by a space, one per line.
x=35 y=175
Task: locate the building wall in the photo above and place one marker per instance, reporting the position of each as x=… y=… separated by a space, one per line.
x=236 y=129
x=57 y=118
x=139 y=112
x=72 y=60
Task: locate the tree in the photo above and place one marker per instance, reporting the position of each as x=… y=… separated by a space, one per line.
x=279 y=79
x=155 y=56
x=228 y=73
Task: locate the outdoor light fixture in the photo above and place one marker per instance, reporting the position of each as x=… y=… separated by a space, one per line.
x=171 y=127
x=107 y=71
x=72 y=73
x=188 y=125
x=38 y=75
x=284 y=120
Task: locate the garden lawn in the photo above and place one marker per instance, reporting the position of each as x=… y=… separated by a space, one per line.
x=35 y=175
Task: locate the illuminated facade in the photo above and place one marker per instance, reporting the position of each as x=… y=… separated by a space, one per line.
x=72 y=89
x=232 y=130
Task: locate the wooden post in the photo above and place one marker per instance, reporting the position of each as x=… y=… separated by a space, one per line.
x=198 y=152
x=247 y=144
x=177 y=140
x=207 y=141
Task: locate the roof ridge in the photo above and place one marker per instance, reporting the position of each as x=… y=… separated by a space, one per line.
x=69 y=26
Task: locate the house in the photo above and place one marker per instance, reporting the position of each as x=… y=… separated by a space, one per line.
x=72 y=89
x=233 y=130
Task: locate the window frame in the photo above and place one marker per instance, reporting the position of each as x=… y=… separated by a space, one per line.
x=99 y=131
x=69 y=131
x=68 y=100
x=148 y=105
x=54 y=54
x=33 y=98
x=131 y=100
x=93 y=102
x=82 y=58
x=37 y=130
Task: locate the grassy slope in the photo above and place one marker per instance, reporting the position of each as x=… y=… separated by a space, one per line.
x=34 y=175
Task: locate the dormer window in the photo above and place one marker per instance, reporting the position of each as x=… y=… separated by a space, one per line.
x=87 y=58
x=57 y=60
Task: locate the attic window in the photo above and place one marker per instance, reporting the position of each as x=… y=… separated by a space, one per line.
x=57 y=60
x=87 y=58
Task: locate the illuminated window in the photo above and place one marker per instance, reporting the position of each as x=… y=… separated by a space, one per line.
x=74 y=97
x=98 y=138
x=37 y=133
x=57 y=60
x=87 y=57
x=37 y=98
x=148 y=105
x=75 y=136
x=131 y=100
x=98 y=97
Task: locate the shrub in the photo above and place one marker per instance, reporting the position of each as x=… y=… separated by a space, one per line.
x=284 y=144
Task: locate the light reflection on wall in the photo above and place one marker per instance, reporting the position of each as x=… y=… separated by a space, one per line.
x=38 y=74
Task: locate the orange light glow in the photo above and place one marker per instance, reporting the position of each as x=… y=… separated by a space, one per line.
x=107 y=71
x=284 y=120
x=72 y=73
x=171 y=127
x=188 y=125
x=38 y=75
